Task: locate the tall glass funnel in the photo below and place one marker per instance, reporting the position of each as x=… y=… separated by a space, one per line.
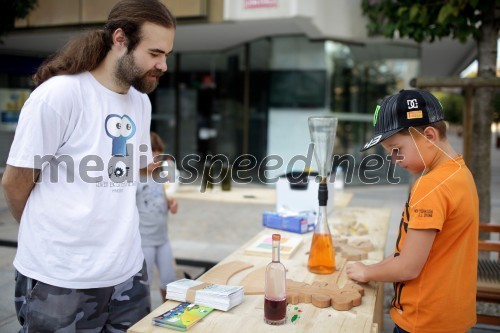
x=323 y=131
x=322 y=254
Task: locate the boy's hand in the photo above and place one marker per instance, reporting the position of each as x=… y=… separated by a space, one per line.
x=172 y=205
x=357 y=271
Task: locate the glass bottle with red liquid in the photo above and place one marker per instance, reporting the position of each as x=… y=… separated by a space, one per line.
x=323 y=131
x=275 y=287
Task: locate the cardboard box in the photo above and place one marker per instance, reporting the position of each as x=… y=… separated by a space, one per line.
x=299 y=196
x=298 y=223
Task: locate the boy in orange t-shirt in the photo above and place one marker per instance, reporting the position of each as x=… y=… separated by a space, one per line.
x=434 y=265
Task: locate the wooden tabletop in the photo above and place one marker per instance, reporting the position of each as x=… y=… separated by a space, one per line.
x=355 y=224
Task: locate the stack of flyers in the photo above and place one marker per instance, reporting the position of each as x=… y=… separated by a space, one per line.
x=216 y=296
x=182 y=317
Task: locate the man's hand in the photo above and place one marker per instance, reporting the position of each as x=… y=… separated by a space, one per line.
x=17 y=185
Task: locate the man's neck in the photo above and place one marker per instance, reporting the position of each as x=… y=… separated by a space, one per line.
x=104 y=74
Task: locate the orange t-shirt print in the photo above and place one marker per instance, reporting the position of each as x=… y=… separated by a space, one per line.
x=443 y=297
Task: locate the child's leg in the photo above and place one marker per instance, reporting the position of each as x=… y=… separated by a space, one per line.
x=149 y=257
x=164 y=262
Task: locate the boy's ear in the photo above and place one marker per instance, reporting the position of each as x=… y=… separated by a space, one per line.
x=431 y=134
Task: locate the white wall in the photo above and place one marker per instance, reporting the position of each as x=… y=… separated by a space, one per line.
x=338 y=19
x=235 y=10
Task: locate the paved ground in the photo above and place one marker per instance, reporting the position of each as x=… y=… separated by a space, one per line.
x=209 y=231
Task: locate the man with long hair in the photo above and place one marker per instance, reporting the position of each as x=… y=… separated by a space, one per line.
x=72 y=173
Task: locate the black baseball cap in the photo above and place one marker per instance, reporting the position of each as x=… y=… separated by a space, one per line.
x=408 y=108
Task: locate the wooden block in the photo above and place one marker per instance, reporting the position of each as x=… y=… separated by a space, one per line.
x=292 y=297
x=304 y=297
x=353 y=296
x=355 y=287
x=339 y=240
x=355 y=250
x=319 y=284
x=364 y=245
x=323 y=294
x=353 y=254
x=291 y=284
x=341 y=303
x=321 y=301
x=310 y=289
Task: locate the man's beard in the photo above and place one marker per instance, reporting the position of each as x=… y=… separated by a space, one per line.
x=129 y=74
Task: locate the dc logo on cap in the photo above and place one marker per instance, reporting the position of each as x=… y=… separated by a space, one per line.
x=412 y=103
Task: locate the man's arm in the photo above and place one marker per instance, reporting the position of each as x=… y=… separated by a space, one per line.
x=406 y=266
x=17 y=185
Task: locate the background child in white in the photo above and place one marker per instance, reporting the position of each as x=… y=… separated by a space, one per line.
x=153 y=206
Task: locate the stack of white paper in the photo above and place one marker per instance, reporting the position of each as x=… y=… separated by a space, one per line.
x=215 y=296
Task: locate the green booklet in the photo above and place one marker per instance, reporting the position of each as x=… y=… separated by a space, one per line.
x=182 y=317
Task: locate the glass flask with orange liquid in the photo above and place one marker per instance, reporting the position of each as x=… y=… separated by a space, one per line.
x=322 y=253
x=323 y=131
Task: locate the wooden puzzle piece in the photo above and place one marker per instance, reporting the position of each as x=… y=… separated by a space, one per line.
x=222 y=273
x=362 y=244
x=324 y=294
x=353 y=250
x=351 y=253
x=253 y=283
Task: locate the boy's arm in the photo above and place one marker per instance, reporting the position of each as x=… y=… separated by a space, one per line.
x=383 y=262
x=406 y=266
x=17 y=184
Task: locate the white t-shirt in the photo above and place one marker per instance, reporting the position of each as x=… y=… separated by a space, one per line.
x=82 y=231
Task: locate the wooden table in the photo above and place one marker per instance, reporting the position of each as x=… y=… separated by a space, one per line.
x=248 y=316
